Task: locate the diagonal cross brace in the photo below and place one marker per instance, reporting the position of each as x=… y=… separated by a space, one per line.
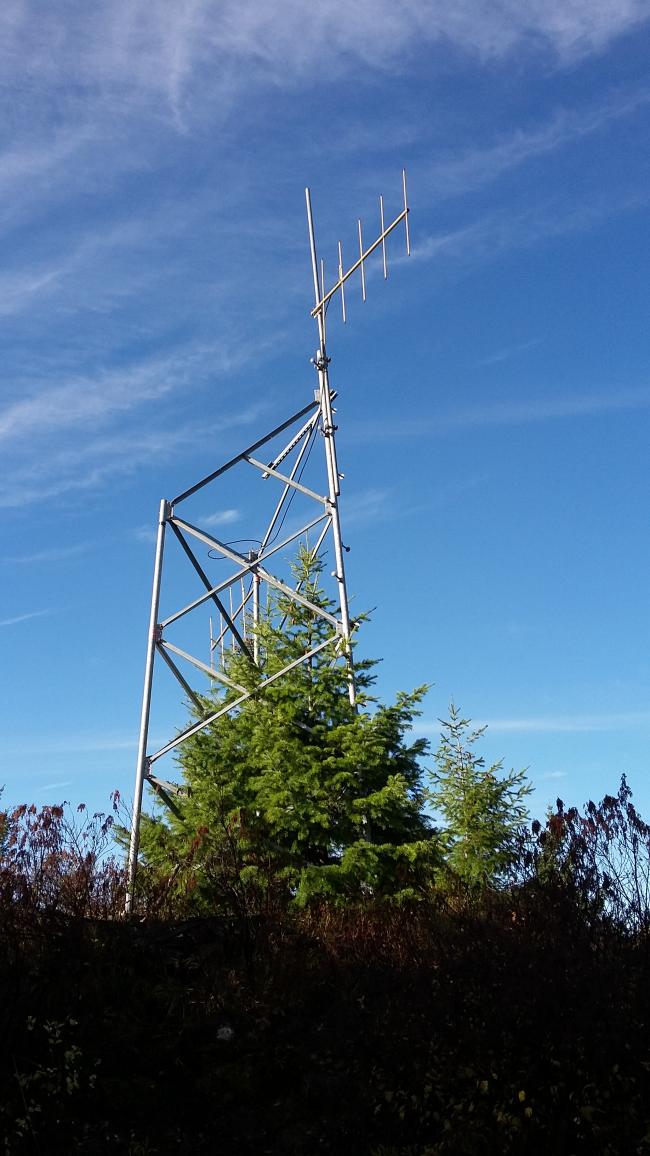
x=208 y=585
x=263 y=573
x=250 y=450
x=247 y=567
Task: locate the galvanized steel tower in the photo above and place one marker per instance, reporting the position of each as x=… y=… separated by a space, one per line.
x=236 y=598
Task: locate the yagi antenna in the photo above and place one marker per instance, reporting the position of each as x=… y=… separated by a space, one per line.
x=323 y=298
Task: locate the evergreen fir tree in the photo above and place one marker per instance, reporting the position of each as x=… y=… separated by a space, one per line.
x=296 y=795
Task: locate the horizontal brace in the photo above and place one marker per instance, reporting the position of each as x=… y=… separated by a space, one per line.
x=266 y=470
x=169 y=793
x=203 y=666
x=213 y=542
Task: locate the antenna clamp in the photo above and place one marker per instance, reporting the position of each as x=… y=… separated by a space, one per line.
x=320 y=361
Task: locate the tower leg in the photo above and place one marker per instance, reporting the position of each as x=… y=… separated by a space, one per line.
x=142 y=764
x=334 y=489
x=256 y=618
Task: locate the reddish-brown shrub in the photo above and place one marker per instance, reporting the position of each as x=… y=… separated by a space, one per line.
x=59 y=861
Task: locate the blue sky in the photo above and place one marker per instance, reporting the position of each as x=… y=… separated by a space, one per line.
x=494 y=397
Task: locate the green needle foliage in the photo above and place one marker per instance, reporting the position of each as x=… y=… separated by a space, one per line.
x=295 y=796
x=484 y=810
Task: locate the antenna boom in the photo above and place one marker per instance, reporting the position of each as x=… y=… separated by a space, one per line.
x=353 y=268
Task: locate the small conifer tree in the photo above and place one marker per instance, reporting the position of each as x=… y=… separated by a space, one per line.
x=483 y=809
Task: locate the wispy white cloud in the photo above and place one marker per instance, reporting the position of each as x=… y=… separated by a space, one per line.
x=552 y=724
x=98 y=264
x=37 y=165
x=67 y=432
x=43 y=557
x=365 y=507
x=221 y=518
x=68 y=744
x=18 y=289
x=89 y=401
x=456 y=175
x=515 y=411
x=374 y=505
x=146 y=534
x=537 y=409
x=31 y=161
x=488 y=236
x=87 y=465
x=24 y=617
x=125 y=52
x=507 y=353
x=46 y=166
x=575 y=723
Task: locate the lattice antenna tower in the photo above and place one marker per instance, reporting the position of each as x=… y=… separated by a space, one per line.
x=255 y=575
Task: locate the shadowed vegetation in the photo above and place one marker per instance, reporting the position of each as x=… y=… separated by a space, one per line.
x=507 y=1020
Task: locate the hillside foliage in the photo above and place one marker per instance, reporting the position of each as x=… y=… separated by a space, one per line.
x=510 y=1022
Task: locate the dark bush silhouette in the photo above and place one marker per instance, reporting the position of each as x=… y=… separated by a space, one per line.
x=599 y=855
x=511 y=1023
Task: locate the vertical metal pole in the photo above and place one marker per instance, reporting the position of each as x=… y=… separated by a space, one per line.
x=330 y=450
x=330 y=455
x=141 y=769
x=256 y=618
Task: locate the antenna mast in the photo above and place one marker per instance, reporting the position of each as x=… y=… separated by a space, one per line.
x=322 y=361
x=239 y=620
